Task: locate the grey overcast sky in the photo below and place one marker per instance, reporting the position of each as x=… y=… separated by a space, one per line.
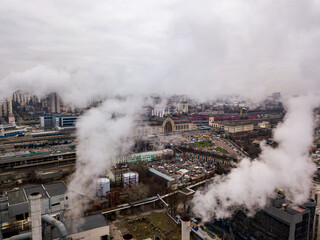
x=200 y=48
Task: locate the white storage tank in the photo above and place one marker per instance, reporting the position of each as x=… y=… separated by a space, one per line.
x=130 y=179
x=102 y=187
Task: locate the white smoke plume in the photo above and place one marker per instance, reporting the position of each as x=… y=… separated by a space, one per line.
x=86 y=50
x=253 y=182
x=103 y=133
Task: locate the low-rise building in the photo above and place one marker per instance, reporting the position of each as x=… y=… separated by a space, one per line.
x=233 y=126
x=54 y=199
x=163 y=125
x=94 y=227
x=264 y=124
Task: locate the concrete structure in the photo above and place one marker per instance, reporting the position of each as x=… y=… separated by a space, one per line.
x=315 y=194
x=160 y=112
x=47 y=121
x=163 y=125
x=65 y=121
x=185 y=228
x=94 y=227
x=144 y=156
x=35 y=210
x=51 y=121
x=169 y=181
x=316 y=225
x=183 y=107
x=233 y=126
x=53 y=199
x=54 y=102
x=6 y=108
x=24 y=99
x=279 y=221
x=37 y=160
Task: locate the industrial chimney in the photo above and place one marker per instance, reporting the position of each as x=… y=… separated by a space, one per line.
x=35 y=210
x=185 y=228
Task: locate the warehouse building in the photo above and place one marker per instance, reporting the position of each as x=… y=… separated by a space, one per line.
x=37 y=160
x=54 y=199
x=93 y=227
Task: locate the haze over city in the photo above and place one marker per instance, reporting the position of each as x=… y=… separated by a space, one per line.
x=137 y=114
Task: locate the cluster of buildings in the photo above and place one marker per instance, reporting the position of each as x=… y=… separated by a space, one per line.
x=144 y=156
x=182 y=172
x=37 y=212
x=156 y=125
x=279 y=220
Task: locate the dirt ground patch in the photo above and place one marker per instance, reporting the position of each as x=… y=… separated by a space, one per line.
x=154 y=224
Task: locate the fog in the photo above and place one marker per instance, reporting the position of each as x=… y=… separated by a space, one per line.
x=122 y=52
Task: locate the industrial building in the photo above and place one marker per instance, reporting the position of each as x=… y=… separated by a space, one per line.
x=52 y=121
x=281 y=220
x=94 y=227
x=182 y=171
x=315 y=194
x=15 y=205
x=204 y=158
x=37 y=160
x=144 y=156
x=49 y=224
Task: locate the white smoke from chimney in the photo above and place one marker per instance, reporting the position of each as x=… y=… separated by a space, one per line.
x=102 y=49
x=253 y=182
x=103 y=133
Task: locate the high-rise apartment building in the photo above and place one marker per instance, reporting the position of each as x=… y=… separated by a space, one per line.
x=54 y=103
x=6 y=108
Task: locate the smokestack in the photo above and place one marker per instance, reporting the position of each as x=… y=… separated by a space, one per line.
x=185 y=231
x=35 y=209
x=127 y=236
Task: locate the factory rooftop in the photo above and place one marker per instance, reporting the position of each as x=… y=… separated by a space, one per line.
x=46 y=190
x=55 y=189
x=38 y=188
x=183 y=171
x=83 y=224
x=16 y=197
x=162 y=175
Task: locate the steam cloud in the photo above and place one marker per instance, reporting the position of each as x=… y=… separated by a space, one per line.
x=103 y=134
x=104 y=49
x=288 y=166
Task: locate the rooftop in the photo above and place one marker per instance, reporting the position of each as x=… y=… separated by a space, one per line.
x=78 y=225
x=33 y=189
x=55 y=189
x=166 y=177
x=236 y=123
x=16 y=197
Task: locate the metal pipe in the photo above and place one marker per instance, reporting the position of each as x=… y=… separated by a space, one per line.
x=23 y=236
x=57 y=224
